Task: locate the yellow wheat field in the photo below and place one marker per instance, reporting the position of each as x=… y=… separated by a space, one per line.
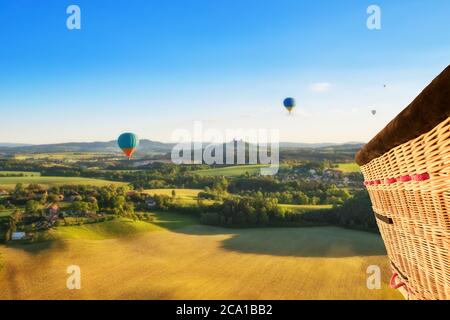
x=200 y=262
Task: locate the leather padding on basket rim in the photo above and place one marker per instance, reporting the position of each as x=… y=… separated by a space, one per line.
x=429 y=109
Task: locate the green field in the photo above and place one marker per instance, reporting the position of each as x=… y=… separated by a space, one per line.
x=190 y=261
x=23 y=173
x=189 y=196
x=62 y=156
x=120 y=228
x=5 y=213
x=10 y=182
x=232 y=171
x=295 y=207
x=186 y=196
x=348 y=167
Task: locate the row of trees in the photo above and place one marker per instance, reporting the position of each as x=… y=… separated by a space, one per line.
x=355 y=213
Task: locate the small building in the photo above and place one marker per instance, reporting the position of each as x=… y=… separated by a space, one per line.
x=150 y=202
x=74 y=196
x=18 y=236
x=53 y=209
x=53 y=212
x=331 y=173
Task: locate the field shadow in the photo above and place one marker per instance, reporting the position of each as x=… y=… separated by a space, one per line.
x=314 y=242
x=38 y=247
x=172 y=221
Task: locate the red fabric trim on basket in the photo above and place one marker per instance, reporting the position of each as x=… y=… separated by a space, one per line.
x=421 y=177
x=405 y=178
x=416 y=177
x=390 y=180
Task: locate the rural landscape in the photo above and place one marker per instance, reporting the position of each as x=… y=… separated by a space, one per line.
x=148 y=229
x=224 y=150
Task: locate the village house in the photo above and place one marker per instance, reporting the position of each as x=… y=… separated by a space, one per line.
x=15 y=236
x=72 y=197
x=332 y=173
x=150 y=202
x=53 y=212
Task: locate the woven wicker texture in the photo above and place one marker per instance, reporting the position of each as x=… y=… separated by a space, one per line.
x=409 y=187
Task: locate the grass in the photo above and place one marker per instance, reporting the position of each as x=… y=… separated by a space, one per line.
x=5 y=213
x=232 y=171
x=105 y=230
x=296 y=207
x=348 y=167
x=185 y=196
x=10 y=182
x=198 y=262
x=182 y=193
x=189 y=196
x=24 y=173
x=120 y=228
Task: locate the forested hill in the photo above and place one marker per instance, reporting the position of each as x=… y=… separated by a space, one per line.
x=288 y=151
x=145 y=146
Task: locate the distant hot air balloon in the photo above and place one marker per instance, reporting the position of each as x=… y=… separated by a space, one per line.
x=289 y=104
x=128 y=142
x=374 y=112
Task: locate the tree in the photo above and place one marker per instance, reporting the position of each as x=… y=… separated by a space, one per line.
x=12 y=224
x=80 y=207
x=263 y=218
x=31 y=207
x=19 y=189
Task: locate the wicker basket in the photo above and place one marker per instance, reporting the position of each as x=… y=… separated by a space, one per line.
x=409 y=187
x=407 y=175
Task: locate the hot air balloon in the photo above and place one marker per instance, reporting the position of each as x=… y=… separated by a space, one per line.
x=289 y=104
x=374 y=112
x=128 y=142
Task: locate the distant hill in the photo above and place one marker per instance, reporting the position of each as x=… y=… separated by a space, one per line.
x=288 y=150
x=12 y=145
x=318 y=145
x=145 y=146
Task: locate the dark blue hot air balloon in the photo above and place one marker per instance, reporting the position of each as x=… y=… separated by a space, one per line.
x=289 y=104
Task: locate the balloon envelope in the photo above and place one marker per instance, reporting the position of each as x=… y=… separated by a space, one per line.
x=128 y=142
x=374 y=112
x=289 y=104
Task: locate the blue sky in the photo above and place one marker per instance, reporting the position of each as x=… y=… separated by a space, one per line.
x=153 y=66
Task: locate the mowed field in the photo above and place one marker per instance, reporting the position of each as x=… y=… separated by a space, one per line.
x=189 y=196
x=10 y=182
x=174 y=258
x=348 y=167
x=295 y=207
x=184 y=196
x=232 y=171
x=5 y=213
x=22 y=173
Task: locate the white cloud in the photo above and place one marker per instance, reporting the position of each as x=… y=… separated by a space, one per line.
x=320 y=87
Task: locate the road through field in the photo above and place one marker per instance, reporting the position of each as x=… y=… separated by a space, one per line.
x=200 y=262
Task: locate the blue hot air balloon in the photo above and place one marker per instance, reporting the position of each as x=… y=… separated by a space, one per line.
x=128 y=142
x=289 y=104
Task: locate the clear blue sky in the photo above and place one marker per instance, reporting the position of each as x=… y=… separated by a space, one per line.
x=154 y=66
